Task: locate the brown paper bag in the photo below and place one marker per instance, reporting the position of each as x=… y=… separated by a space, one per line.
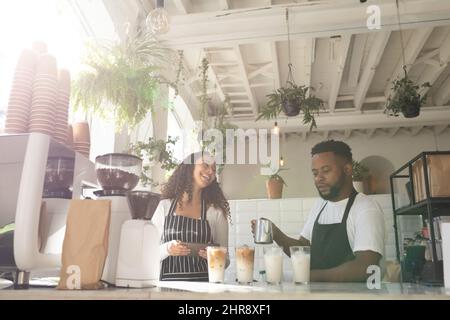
x=439 y=175
x=85 y=244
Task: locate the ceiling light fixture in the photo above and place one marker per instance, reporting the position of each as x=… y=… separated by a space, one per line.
x=281 y=161
x=158 y=19
x=276 y=129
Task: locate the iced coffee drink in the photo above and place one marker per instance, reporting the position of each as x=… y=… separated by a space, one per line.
x=273 y=261
x=245 y=257
x=301 y=258
x=217 y=257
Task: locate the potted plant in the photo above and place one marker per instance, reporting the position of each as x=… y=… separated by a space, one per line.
x=360 y=172
x=406 y=98
x=274 y=185
x=155 y=151
x=292 y=99
x=122 y=79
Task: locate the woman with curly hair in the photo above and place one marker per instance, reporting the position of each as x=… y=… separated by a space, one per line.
x=193 y=209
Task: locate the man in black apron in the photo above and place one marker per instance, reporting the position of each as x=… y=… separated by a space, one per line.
x=332 y=257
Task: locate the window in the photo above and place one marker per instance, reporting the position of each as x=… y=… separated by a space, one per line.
x=180 y=124
x=63 y=26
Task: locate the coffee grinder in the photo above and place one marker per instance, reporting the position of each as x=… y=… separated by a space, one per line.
x=138 y=264
x=117 y=173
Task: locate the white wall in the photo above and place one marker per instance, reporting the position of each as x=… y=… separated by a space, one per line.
x=245 y=182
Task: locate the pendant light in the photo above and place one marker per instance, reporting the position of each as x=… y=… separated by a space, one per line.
x=158 y=19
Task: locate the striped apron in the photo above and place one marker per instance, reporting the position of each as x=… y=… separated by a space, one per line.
x=185 y=229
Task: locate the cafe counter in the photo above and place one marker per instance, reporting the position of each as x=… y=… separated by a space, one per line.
x=175 y=290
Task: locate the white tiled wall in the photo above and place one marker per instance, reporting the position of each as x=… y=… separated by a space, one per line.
x=290 y=215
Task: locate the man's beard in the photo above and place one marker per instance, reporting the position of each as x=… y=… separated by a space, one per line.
x=335 y=189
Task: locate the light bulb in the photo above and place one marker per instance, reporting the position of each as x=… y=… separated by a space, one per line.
x=158 y=21
x=276 y=129
x=281 y=162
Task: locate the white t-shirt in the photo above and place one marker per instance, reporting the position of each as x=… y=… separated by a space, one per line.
x=365 y=222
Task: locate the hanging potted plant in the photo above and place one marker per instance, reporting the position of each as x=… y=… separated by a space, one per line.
x=292 y=99
x=122 y=79
x=360 y=173
x=274 y=185
x=406 y=98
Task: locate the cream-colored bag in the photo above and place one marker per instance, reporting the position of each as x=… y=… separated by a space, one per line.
x=85 y=244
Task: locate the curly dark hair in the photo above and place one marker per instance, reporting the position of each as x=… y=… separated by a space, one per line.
x=182 y=179
x=337 y=147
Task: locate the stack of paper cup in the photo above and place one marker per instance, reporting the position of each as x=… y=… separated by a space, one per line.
x=43 y=103
x=81 y=138
x=445 y=234
x=62 y=106
x=18 y=112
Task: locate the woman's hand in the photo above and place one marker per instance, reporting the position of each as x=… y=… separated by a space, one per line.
x=202 y=253
x=176 y=248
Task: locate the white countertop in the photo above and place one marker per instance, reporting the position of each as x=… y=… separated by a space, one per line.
x=177 y=290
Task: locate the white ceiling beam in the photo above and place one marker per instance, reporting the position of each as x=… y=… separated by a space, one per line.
x=370 y=132
x=344 y=45
x=240 y=101
x=392 y=132
x=357 y=55
x=223 y=64
x=426 y=56
x=376 y=52
x=312 y=19
x=243 y=71
x=232 y=85
x=347 y=133
x=443 y=94
x=261 y=84
x=432 y=72
x=213 y=76
x=367 y=100
x=183 y=6
x=261 y=70
x=412 y=50
x=304 y=135
x=275 y=64
x=236 y=94
x=356 y=120
x=439 y=129
x=414 y=131
x=224 y=4
x=310 y=52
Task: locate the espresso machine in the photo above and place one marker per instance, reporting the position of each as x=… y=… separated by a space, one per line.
x=38 y=177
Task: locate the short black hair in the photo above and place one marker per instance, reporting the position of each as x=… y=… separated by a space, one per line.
x=337 y=147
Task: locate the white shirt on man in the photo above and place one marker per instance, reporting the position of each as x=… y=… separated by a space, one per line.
x=365 y=222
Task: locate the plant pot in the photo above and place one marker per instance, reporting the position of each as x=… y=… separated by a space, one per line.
x=274 y=188
x=359 y=186
x=411 y=110
x=291 y=108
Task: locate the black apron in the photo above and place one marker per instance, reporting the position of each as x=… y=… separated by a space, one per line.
x=329 y=244
x=185 y=229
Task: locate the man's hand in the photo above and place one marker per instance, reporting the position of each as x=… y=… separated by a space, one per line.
x=176 y=248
